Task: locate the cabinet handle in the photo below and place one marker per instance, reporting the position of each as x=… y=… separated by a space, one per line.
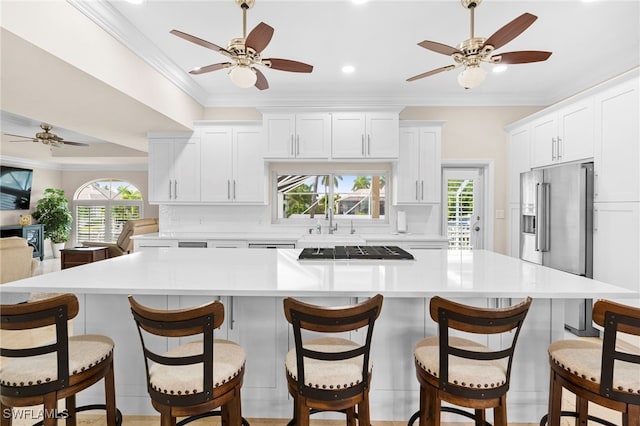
x=560 y=148
x=228 y=189
x=234 y=189
x=417 y=191
x=169 y=188
x=231 y=320
x=368 y=144
x=175 y=189
x=553 y=148
x=362 y=145
x=596 y=184
x=291 y=146
x=595 y=219
x=422 y=190
x=297 y=145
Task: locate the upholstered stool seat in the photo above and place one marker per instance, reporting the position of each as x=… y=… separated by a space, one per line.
x=603 y=371
x=197 y=376
x=328 y=374
x=44 y=372
x=85 y=352
x=228 y=362
x=583 y=358
x=463 y=372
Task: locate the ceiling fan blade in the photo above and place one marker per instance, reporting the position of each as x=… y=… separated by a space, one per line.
x=432 y=72
x=287 y=65
x=510 y=31
x=200 y=42
x=521 y=57
x=261 y=82
x=439 y=47
x=259 y=37
x=18 y=136
x=63 y=142
x=26 y=140
x=209 y=68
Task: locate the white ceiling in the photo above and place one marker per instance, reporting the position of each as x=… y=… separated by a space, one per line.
x=591 y=42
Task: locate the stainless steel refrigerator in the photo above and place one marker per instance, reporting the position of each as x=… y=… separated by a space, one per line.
x=556 y=228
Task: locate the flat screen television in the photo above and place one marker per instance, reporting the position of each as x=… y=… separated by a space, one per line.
x=15 y=188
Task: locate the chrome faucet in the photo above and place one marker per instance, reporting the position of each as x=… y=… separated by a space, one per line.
x=332 y=227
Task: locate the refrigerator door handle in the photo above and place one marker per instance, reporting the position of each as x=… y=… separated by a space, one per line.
x=543 y=220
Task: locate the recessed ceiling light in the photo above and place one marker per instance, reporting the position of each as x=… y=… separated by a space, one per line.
x=500 y=68
x=348 y=69
x=359 y=1
x=135 y=1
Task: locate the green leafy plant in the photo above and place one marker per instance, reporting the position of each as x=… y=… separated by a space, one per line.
x=53 y=212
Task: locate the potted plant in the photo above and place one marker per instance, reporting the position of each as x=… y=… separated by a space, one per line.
x=53 y=212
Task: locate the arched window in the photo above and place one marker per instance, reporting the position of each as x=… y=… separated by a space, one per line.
x=102 y=207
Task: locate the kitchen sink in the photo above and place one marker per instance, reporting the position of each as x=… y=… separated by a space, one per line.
x=330 y=240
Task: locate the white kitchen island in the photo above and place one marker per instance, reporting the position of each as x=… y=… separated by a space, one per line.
x=252 y=283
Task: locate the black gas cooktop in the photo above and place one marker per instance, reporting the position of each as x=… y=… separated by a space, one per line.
x=355 y=252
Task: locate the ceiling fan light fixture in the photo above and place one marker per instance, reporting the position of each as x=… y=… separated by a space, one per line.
x=500 y=68
x=243 y=76
x=471 y=77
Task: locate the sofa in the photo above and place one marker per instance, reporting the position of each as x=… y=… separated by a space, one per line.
x=124 y=244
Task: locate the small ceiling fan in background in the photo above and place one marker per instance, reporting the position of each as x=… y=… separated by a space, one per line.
x=244 y=53
x=47 y=138
x=471 y=52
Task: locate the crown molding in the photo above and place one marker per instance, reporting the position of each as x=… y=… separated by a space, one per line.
x=115 y=24
x=35 y=164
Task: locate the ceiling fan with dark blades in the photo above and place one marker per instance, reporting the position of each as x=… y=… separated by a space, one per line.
x=244 y=54
x=47 y=138
x=471 y=52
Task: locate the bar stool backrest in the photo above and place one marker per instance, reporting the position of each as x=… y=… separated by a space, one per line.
x=615 y=318
x=452 y=315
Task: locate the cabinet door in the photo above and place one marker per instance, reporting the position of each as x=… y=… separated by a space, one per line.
x=186 y=170
x=313 y=136
x=575 y=137
x=544 y=137
x=348 y=135
x=429 y=158
x=382 y=136
x=407 y=168
x=217 y=168
x=280 y=133
x=617 y=150
x=249 y=176
x=616 y=244
x=518 y=160
x=160 y=165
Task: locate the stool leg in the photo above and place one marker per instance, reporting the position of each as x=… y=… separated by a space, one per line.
x=632 y=416
x=6 y=415
x=555 y=401
x=110 y=395
x=351 y=416
x=70 y=405
x=50 y=407
x=429 y=407
x=364 y=416
x=480 y=417
x=500 y=412
x=302 y=412
x=582 y=408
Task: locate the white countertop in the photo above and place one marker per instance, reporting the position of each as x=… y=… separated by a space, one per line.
x=271 y=272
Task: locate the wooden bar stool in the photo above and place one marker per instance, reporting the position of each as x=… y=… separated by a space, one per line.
x=464 y=372
x=44 y=374
x=603 y=371
x=330 y=373
x=196 y=377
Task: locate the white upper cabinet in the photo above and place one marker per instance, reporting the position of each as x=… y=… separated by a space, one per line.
x=417 y=172
x=365 y=135
x=617 y=143
x=519 y=140
x=233 y=170
x=304 y=135
x=174 y=170
x=563 y=136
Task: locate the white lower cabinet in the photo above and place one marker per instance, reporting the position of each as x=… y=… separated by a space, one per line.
x=616 y=244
